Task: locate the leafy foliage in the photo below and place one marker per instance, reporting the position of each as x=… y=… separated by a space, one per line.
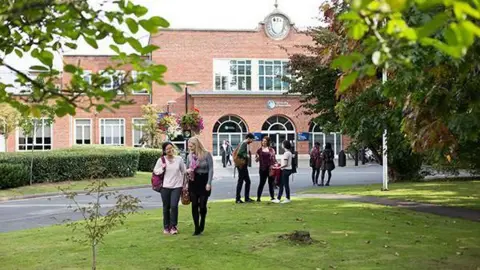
x=192 y=121
x=152 y=133
x=43 y=28
x=13 y=175
x=9 y=119
x=147 y=159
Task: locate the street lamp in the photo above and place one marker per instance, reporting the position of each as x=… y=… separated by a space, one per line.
x=186 y=93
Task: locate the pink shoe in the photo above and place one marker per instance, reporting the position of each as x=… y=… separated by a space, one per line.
x=174 y=230
x=167 y=231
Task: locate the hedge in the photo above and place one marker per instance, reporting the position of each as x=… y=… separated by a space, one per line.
x=63 y=165
x=13 y=175
x=148 y=158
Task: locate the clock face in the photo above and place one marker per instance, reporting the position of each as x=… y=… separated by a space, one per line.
x=277 y=26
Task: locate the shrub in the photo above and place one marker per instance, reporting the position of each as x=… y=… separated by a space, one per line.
x=63 y=165
x=13 y=175
x=148 y=158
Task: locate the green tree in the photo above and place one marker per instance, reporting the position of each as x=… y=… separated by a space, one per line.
x=9 y=118
x=152 y=134
x=41 y=28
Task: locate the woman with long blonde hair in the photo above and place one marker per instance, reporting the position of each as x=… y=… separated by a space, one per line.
x=200 y=169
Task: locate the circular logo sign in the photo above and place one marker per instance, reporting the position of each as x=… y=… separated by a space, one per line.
x=277 y=26
x=271 y=104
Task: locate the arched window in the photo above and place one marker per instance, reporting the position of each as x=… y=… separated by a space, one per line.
x=318 y=135
x=279 y=129
x=230 y=128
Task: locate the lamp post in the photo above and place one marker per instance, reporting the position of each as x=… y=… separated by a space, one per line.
x=186 y=93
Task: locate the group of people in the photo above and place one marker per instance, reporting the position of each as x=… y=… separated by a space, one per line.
x=197 y=173
x=266 y=157
x=322 y=160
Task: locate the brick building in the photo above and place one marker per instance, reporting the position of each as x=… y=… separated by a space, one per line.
x=238 y=89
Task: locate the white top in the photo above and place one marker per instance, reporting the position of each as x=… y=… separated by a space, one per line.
x=287 y=160
x=174 y=172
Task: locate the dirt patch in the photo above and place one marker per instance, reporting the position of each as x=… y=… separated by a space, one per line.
x=298 y=237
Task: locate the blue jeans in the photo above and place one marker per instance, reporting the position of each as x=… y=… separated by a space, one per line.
x=284 y=182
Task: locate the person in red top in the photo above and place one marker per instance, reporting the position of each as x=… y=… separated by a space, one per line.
x=316 y=162
x=266 y=156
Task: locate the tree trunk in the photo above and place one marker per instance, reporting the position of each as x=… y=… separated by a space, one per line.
x=94 y=256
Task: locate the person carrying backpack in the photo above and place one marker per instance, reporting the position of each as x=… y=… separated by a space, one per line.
x=328 y=164
x=241 y=158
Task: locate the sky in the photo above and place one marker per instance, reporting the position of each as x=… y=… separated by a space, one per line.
x=196 y=14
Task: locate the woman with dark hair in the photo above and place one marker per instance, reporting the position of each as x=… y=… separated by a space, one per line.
x=286 y=167
x=174 y=170
x=327 y=165
x=316 y=162
x=266 y=156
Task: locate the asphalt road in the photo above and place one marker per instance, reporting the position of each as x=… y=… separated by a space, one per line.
x=38 y=212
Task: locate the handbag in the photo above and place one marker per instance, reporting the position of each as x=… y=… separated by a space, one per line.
x=185 y=196
x=157 y=180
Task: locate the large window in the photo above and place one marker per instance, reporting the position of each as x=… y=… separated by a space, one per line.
x=115 y=79
x=87 y=76
x=271 y=75
x=279 y=129
x=83 y=134
x=138 y=125
x=318 y=135
x=40 y=139
x=228 y=128
x=112 y=131
x=233 y=74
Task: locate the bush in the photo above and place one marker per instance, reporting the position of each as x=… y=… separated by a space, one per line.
x=72 y=164
x=148 y=158
x=13 y=175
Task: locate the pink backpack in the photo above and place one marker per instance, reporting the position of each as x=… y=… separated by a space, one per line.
x=157 y=180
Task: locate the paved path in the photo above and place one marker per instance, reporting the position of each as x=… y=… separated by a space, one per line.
x=37 y=212
x=447 y=211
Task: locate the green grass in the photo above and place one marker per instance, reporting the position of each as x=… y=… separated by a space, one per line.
x=452 y=193
x=141 y=178
x=348 y=236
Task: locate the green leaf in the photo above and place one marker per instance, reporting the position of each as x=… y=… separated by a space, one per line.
x=92 y=42
x=432 y=26
x=148 y=26
x=71 y=45
x=450 y=37
x=135 y=44
x=119 y=38
x=46 y=58
x=461 y=9
x=466 y=35
x=70 y=68
x=396 y=5
x=132 y=25
x=348 y=80
x=18 y=53
x=471 y=27
x=360 y=4
x=371 y=70
x=345 y=62
x=140 y=10
x=350 y=16
x=100 y=107
x=358 y=31
x=39 y=68
x=149 y=48
x=115 y=48
x=177 y=87
x=159 y=21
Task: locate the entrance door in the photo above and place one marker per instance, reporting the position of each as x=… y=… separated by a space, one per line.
x=2 y=143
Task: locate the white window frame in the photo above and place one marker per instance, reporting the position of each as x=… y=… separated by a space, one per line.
x=83 y=131
x=17 y=138
x=229 y=76
x=273 y=76
x=100 y=131
x=133 y=75
x=255 y=73
x=315 y=134
x=87 y=76
x=133 y=131
x=120 y=74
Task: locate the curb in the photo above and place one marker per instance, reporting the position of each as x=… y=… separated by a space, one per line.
x=80 y=192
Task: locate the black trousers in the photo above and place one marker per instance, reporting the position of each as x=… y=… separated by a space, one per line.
x=199 y=198
x=315 y=175
x=170 y=199
x=329 y=176
x=285 y=183
x=264 y=175
x=243 y=176
x=224 y=159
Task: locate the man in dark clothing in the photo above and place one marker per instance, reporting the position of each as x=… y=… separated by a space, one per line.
x=243 y=176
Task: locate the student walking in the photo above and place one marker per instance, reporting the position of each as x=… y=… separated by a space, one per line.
x=241 y=160
x=173 y=170
x=316 y=162
x=286 y=167
x=328 y=164
x=224 y=153
x=266 y=156
x=200 y=169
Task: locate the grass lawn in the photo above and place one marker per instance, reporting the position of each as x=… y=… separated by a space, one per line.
x=141 y=178
x=347 y=236
x=453 y=193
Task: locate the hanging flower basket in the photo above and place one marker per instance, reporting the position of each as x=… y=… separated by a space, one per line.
x=169 y=125
x=192 y=121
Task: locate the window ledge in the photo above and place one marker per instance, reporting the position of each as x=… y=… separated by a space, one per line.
x=242 y=93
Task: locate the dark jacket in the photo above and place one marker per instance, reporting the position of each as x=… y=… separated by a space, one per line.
x=328 y=157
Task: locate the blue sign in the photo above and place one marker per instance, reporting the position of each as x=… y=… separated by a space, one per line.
x=258 y=136
x=303 y=136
